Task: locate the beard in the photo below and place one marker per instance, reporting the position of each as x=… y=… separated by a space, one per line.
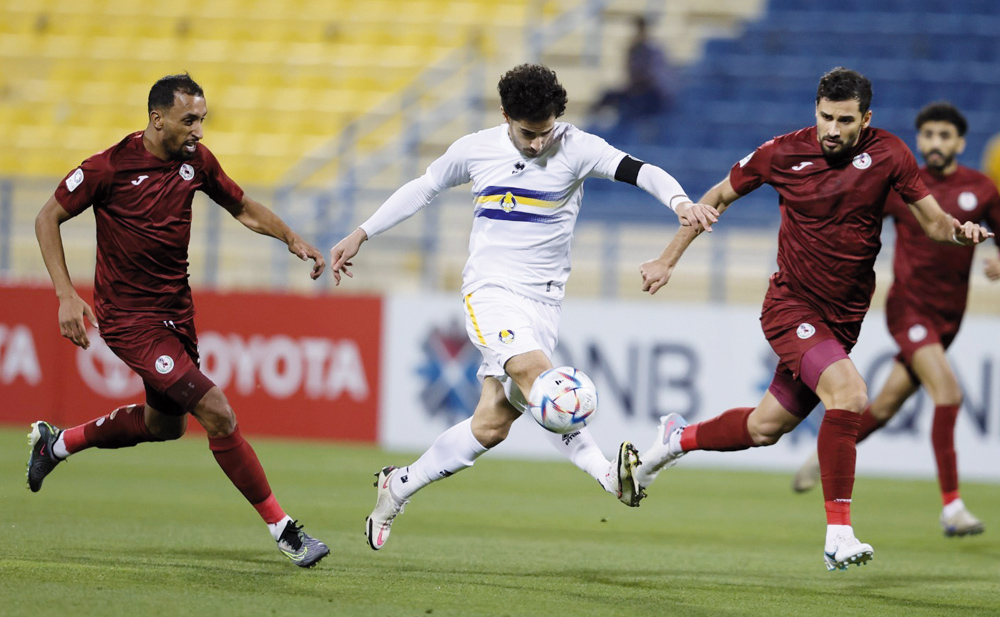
x=941 y=162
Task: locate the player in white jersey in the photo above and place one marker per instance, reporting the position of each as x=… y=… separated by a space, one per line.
x=527 y=182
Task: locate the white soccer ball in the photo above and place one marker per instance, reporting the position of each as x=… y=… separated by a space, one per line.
x=563 y=399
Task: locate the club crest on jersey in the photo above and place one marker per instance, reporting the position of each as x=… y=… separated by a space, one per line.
x=917 y=333
x=968 y=201
x=863 y=161
x=805 y=330
x=74 y=180
x=164 y=364
x=186 y=171
x=507 y=202
x=506 y=336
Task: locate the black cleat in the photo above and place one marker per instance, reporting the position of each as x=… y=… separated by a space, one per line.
x=304 y=550
x=42 y=460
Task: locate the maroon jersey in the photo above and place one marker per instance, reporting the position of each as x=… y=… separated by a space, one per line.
x=931 y=275
x=831 y=215
x=143 y=210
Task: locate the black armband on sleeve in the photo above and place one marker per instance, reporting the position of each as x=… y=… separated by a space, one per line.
x=628 y=170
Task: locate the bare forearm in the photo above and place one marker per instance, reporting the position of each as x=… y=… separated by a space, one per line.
x=262 y=220
x=53 y=254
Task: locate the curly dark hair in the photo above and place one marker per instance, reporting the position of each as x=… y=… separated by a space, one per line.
x=942 y=111
x=842 y=84
x=161 y=95
x=532 y=93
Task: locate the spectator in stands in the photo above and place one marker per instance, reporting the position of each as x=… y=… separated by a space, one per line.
x=649 y=87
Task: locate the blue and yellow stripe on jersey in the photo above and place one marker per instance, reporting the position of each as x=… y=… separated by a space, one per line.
x=500 y=202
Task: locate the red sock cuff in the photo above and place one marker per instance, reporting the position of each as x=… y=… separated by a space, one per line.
x=689 y=438
x=838 y=512
x=226 y=443
x=269 y=510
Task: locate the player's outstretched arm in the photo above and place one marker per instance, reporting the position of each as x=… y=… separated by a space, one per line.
x=343 y=251
x=259 y=218
x=942 y=227
x=657 y=272
x=72 y=308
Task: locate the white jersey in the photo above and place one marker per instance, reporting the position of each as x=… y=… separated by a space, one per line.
x=525 y=208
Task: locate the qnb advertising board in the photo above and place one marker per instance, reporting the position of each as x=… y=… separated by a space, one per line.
x=652 y=358
x=295 y=366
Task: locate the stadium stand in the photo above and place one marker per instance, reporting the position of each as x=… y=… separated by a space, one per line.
x=746 y=89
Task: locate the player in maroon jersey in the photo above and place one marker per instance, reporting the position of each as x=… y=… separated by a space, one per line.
x=141 y=191
x=927 y=301
x=832 y=180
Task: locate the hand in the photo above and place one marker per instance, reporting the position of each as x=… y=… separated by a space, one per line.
x=699 y=216
x=344 y=251
x=72 y=310
x=992 y=268
x=305 y=252
x=969 y=233
x=655 y=274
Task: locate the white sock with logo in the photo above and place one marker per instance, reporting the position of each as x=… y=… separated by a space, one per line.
x=581 y=449
x=277 y=528
x=453 y=450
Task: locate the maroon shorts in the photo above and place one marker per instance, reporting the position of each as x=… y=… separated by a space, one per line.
x=914 y=327
x=806 y=345
x=166 y=357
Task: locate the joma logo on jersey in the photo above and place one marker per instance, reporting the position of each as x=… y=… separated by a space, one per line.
x=507 y=202
x=519 y=166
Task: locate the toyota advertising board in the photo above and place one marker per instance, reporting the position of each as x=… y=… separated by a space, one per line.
x=295 y=366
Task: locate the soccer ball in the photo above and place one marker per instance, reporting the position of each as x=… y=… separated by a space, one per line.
x=563 y=399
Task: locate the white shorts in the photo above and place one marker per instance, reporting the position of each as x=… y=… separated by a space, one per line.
x=504 y=324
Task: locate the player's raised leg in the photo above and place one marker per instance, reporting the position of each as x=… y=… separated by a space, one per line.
x=616 y=476
x=240 y=463
x=124 y=427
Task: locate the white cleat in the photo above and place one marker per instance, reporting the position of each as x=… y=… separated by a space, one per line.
x=807 y=477
x=961 y=523
x=387 y=507
x=620 y=480
x=847 y=550
x=660 y=456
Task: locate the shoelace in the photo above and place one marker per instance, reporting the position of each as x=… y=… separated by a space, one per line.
x=292 y=536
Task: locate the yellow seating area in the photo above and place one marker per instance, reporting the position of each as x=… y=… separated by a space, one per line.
x=280 y=76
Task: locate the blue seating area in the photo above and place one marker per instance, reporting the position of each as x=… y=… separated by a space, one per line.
x=743 y=91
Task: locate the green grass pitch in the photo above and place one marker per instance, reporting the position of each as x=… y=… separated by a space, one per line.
x=158 y=530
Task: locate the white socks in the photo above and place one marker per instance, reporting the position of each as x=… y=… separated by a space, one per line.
x=277 y=528
x=581 y=449
x=453 y=450
x=952 y=508
x=59 y=448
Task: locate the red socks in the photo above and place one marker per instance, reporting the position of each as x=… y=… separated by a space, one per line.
x=943 y=439
x=240 y=463
x=869 y=424
x=723 y=433
x=122 y=428
x=836 y=445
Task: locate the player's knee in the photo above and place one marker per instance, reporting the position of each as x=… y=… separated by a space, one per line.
x=854 y=399
x=490 y=435
x=215 y=414
x=949 y=397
